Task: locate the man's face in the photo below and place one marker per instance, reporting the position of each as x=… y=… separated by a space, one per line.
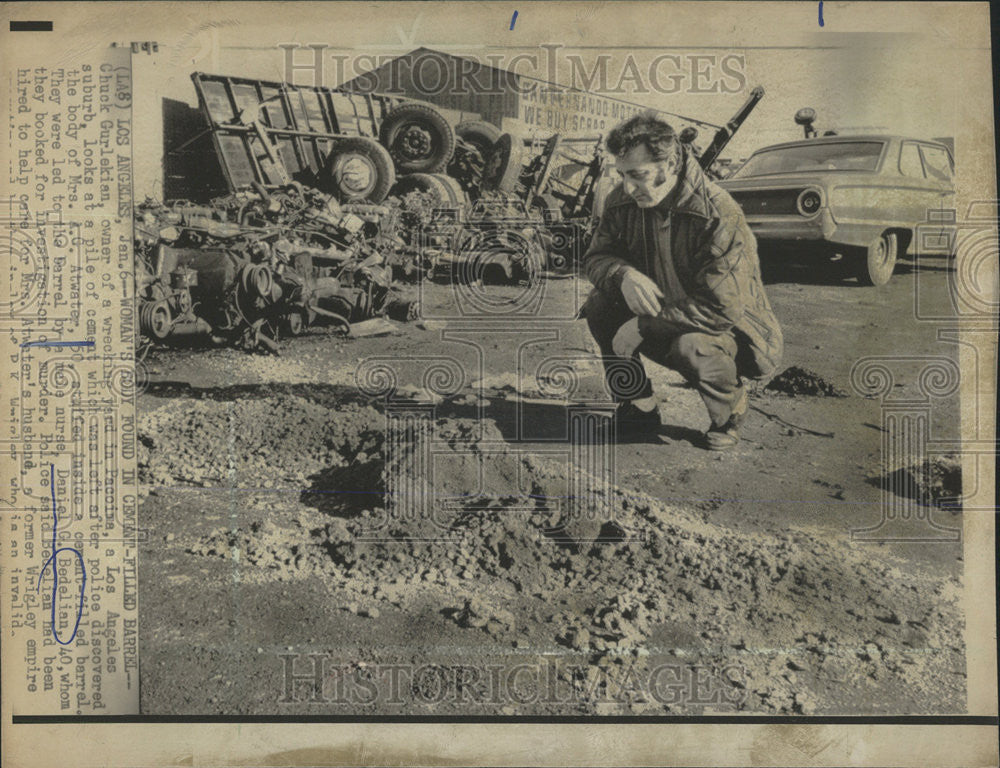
x=645 y=179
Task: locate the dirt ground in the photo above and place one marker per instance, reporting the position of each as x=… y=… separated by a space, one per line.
x=695 y=582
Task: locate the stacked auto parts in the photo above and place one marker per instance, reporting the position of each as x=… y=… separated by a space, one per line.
x=256 y=266
x=332 y=193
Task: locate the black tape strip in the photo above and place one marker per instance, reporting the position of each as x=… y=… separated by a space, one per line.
x=31 y=26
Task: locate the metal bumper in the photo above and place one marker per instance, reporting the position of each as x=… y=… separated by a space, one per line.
x=818 y=227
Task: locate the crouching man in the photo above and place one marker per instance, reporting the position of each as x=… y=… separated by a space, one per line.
x=676 y=278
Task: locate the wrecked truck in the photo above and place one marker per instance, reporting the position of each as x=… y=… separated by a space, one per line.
x=348 y=144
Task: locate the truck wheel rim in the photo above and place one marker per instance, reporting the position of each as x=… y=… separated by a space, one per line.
x=355 y=174
x=414 y=142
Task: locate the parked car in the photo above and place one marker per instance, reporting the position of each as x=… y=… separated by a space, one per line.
x=858 y=196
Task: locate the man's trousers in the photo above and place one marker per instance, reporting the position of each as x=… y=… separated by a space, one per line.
x=706 y=361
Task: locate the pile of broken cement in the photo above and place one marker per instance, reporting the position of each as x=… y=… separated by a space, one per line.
x=517 y=557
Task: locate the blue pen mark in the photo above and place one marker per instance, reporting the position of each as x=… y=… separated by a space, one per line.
x=513 y=19
x=57 y=344
x=55 y=570
x=821 y=13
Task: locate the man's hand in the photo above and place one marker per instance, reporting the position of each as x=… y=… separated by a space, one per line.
x=640 y=293
x=628 y=339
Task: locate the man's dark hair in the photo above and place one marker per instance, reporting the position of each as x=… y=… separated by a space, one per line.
x=645 y=128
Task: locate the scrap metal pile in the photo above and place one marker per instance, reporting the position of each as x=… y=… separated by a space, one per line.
x=262 y=264
x=330 y=194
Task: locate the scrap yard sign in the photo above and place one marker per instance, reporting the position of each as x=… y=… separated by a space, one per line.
x=356 y=410
x=572 y=112
x=595 y=99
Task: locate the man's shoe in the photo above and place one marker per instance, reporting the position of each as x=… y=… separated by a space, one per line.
x=725 y=437
x=632 y=421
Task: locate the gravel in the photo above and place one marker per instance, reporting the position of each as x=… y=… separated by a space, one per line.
x=798 y=612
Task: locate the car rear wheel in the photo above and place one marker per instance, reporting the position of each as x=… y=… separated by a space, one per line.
x=875 y=264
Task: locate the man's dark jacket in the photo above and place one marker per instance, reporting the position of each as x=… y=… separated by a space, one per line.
x=715 y=256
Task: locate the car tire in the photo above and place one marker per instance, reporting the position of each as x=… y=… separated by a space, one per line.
x=418 y=137
x=359 y=169
x=875 y=264
x=504 y=165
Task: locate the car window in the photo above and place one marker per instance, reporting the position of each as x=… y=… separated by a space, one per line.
x=909 y=161
x=837 y=156
x=937 y=163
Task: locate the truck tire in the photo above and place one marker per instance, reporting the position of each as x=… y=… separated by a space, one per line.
x=504 y=165
x=418 y=138
x=359 y=169
x=480 y=134
x=454 y=194
x=874 y=265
